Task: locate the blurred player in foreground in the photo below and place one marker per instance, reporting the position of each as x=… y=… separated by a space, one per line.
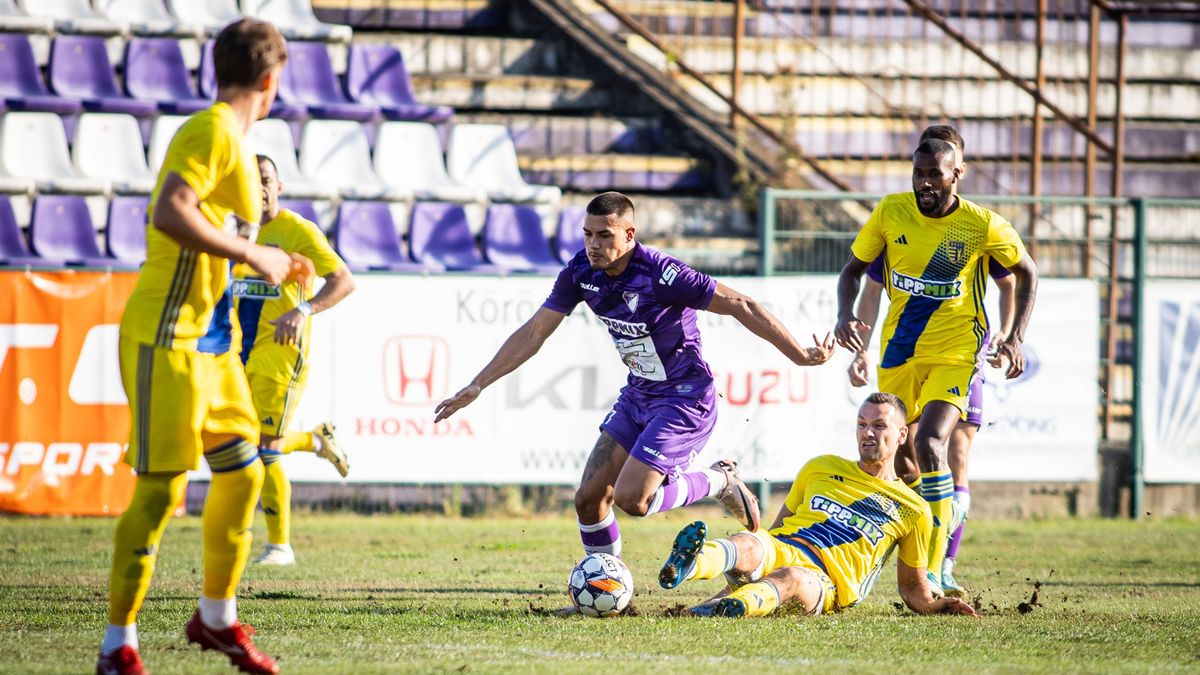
x=841 y=521
x=188 y=394
x=276 y=322
x=964 y=434
x=936 y=247
x=667 y=411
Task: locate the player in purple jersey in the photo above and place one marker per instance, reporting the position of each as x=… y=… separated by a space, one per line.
x=666 y=412
x=963 y=435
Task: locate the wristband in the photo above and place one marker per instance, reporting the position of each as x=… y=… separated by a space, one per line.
x=305 y=308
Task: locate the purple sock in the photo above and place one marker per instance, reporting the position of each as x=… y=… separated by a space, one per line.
x=687 y=489
x=956 y=538
x=602 y=537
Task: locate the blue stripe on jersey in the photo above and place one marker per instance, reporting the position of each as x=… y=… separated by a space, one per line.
x=870 y=508
x=219 y=336
x=829 y=533
x=918 y=310
x=249 y=311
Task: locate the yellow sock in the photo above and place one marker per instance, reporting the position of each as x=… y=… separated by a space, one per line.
x=277 y=503
x=298 y=441
x=716 y=557
x=937 y=487
x=914 y=484
x=228 y=515
x=761 y=598
x=135 y=542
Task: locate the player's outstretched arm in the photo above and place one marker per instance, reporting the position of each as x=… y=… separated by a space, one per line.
x=849 y=327
x=915 y=591
x=517 y=349
x=1010 y=348
x=290 y=325
x=762 y=323
x=867 y=312
x=177 y=214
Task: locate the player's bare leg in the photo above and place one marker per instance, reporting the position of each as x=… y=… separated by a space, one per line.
x=934 y=430
x=905 y=462
x=960 y=450
x=595 y=496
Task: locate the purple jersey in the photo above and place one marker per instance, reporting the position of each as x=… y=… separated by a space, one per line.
x=650 y=312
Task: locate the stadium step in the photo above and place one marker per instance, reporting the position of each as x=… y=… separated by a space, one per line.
x=510 y=92
x=638 y=173
x=542 y=135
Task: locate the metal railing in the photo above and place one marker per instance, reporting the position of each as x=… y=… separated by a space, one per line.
x=1119 y=242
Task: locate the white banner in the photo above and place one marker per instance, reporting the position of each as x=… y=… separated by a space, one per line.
x=383 y=359
x=1171 y=382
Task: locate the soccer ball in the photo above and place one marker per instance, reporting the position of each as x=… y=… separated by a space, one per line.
x=601 y=585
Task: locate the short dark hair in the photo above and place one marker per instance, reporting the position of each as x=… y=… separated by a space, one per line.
x=934 y=146
x=944 y=132
x=610 y=204
x=881 y=398
x=263 y=159
x=245 y=51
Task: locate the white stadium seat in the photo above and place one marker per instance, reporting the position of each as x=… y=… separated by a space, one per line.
x=336 y=152
x=145 y=17
x=72 y=16
x=273 y=138
x=164 y=130
x=34 y=145
x=13 y=18
x=295 y=19
x=484 y=155
x=408 y=155
x=209 y=15
x=109 y=146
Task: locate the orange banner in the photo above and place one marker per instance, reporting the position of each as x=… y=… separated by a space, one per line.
x=64 y=419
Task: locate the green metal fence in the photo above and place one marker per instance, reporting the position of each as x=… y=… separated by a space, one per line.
x=1119 y=242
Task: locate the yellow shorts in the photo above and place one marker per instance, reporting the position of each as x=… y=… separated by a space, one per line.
x=778 y=553
x=275 y=400
x=919 y=383
x=183 y=403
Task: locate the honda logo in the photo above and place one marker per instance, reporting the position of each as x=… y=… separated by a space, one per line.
x=416 y=369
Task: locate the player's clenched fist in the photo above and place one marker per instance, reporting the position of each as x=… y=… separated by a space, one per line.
x=302 y=270
x=271 y=263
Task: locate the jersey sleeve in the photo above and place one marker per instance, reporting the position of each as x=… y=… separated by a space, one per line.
x=870 y=242
x=1003 y=243
x=565 y=294
x=201 y=154
x=914 y=545
x=683 y=286
x=795 y=496
x=996 y=270
x=875 y=271
x=315 y=246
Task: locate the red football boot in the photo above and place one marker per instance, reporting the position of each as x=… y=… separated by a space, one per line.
x=123 y=660
x=233 y=642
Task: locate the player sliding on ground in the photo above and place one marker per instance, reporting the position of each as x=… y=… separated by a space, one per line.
x=841 y=521
x=936 y=247
x=187 y=391
x=667 y=411
x=276 y=322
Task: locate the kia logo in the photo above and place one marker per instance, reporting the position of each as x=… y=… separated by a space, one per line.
x=416 y=369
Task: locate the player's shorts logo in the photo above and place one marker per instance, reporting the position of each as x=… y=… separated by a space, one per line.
x=938 y=290
x=416 y=369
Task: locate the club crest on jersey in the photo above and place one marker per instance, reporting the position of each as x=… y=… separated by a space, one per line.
x=631 y=300
x=956 y=250
x=938 y=290
x=253 y=288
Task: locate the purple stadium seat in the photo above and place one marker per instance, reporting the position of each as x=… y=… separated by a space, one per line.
x=61 y=229
x=12 y=244
x=21 y=86
x=569 y=233
x=367 y=239
x=376 y=75
x=513 y=240
x=301 y=207
x=127 y=228
x=155 y=71
x=79 y=67
x=308 y=80
x=438 y=233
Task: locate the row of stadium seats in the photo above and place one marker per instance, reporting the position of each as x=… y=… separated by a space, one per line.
x=366 y=234
x=335 y=159
x=156 y=78
x=294 y=18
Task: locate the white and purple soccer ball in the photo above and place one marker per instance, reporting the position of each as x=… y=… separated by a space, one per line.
x=600 y=585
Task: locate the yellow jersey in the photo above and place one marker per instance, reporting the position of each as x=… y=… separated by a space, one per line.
x=260 y=303
x=181 y=300
x=935 y=272
x=854 y=521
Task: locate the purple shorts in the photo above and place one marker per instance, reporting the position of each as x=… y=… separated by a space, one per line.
x=662 y=432
x=975 y=402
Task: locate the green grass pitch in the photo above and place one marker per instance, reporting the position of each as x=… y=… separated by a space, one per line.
x=386 y=594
